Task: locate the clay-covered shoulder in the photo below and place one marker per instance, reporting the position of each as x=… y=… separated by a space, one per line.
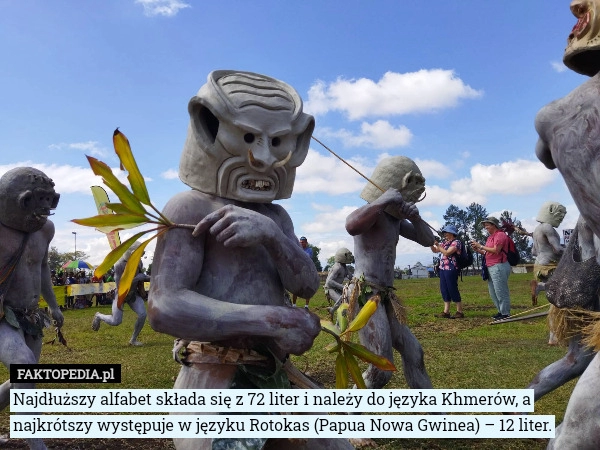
x=191 y=206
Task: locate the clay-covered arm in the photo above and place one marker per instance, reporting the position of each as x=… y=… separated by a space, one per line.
x=177 y=308
x=337 y=272
x=46 y=282
x=363 y=218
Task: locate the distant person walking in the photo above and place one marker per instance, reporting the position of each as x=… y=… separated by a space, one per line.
x=309 y=251
x=450 y=248
x=495 y=252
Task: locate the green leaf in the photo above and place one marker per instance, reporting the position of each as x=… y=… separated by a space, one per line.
x=136 y=180
x=342 y=317
x=111 y=220
x=119 y=208
x=364 y=315
x=108 y=177
x=362 y=352
x=354 y=370
x=130 y=271
x=115 y=254
x=341 y=372
x=10 y=317
x=327 y=325
x=333 y=347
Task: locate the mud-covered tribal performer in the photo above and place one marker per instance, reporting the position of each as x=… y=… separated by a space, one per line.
x=134 y=299
x=222 y=287
x=27 y=198
x=376 y=228
x=569 y=140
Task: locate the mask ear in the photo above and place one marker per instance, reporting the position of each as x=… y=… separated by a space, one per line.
x=204 y=123
x=25 y=199
x=303 y=141
x=406 y=180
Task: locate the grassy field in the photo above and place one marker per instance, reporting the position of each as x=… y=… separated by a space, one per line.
x=462 y=353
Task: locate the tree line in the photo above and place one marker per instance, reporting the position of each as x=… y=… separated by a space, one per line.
x=468 y=223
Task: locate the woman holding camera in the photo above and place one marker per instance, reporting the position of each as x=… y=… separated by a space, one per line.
x=496 y=260
x=448 y=270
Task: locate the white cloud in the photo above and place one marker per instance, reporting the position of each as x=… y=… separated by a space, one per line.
x=558 y=66
x=433 y=169
x=167 y=8
x=328 y=174
x=380 y=135
x=89 y=147
x=394 y=94
x=520 y=177
x=170 y=174
x=329 y=221
x=68 y=179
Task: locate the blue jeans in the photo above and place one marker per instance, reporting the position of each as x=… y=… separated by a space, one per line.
x=449 y=285
x=498 y=287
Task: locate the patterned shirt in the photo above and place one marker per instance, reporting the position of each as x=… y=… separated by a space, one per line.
x=449 y=262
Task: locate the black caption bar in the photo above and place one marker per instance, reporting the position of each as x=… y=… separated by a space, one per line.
x=65 y=373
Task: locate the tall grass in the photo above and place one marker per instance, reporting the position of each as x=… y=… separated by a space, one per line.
x=460 y=353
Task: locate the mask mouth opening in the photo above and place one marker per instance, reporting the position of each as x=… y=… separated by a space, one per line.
x=586 y=62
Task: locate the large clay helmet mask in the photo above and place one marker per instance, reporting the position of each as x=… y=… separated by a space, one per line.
x=27 y=198
x=583 y=44
x=399 y=172
x=552 y=213
x=250 y=131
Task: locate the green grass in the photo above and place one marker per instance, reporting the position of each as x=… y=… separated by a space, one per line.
x=467 y=353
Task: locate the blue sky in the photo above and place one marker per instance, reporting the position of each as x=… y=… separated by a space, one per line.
x=454 y=85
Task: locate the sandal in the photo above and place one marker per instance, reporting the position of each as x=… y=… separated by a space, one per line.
x=459 y=315
x=444 y=315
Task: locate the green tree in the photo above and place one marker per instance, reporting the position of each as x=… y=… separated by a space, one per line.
x=521 y=241
x=56 y=259
x=468 y=223
x=315 y=257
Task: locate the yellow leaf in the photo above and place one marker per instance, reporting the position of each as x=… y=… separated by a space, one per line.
x=111 y=220
x=119 y=208
x=108 y=177
x=364 y=314
x=362 y=352
x=326 y=324
x=341 y=372
x=111 y=259
x=333 y=347
x=342 y=317
x=354 y=370
x=130 y=271
x=136 y=180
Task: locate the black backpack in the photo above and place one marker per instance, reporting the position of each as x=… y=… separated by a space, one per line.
x=465 y=258
x=512 y=255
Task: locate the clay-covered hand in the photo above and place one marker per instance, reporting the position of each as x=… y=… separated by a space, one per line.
x=296 y=331
x=238 y=227
x=392 y=197
x=57 y=316
x=410 y=211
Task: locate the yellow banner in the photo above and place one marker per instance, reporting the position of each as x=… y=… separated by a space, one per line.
x=73 y=290
x=101 y=199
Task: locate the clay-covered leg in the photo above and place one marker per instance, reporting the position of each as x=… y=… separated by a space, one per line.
x=113 y=319
x=375 y=335
x=139 y=308
x=572 y=365
x=580 y=429
x=15 y=348
x=410 y=349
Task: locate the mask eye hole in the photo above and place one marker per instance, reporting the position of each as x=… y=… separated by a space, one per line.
x=249 y=138
x=275 y=142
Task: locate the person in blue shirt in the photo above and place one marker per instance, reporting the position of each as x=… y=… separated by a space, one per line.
x=309 y=252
